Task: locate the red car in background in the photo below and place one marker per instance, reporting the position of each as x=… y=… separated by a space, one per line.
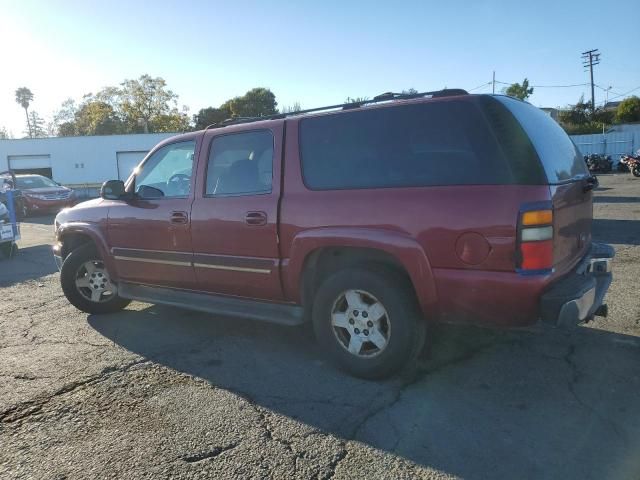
x=43 y=195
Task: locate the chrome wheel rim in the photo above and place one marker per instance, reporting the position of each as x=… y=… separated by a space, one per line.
x=93 y=282
x=360 y=323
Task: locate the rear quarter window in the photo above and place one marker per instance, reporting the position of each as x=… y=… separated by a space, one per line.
x=424 y=144
x=558 y=154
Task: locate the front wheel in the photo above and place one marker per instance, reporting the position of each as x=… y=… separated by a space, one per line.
x=86 y=282
x=368 y=321
x=636 y=171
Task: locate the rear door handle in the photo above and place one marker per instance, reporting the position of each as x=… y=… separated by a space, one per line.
x=179 y=217
x=256 y=218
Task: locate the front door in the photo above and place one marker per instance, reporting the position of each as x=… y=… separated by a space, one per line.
x=235 y=213
x=150 y=235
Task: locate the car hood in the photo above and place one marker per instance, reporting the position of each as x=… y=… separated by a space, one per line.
x=91 y=211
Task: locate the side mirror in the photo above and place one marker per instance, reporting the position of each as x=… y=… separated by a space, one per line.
x=113 y=190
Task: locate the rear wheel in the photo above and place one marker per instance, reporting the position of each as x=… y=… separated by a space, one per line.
x=86 y=282
x=368 y=321
x=636 y=171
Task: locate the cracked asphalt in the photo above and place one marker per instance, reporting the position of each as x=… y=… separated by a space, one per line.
x=158 y=392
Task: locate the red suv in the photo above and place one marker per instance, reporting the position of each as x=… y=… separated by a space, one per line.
x=370 y=220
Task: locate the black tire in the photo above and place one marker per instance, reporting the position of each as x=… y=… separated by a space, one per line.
x=636 y=171
x=68 y=275
x=394 y=292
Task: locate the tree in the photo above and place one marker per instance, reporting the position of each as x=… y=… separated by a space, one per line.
x=411 y=91
x=257 y=102
x=521 y=91
x=292 y=108
x=628 y=110
x=4 y=133
x=174 y=121
x=143 y=100
x=36 y=125
x=211 y=115
x=356 y=100
x=581 y=119
x=95 y=117
x=24 y=96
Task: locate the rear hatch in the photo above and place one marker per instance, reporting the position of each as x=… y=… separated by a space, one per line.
x=569 y=183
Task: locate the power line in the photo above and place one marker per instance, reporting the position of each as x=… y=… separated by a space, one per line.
x=479 y=86
x=549 y=86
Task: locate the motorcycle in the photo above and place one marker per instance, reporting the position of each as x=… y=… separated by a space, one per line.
x=632 y=163
x=598 y=163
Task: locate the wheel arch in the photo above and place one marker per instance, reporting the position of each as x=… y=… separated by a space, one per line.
x=71 y=236
x=317 y=253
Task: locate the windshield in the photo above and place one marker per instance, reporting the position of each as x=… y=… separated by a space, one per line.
x=35 y=181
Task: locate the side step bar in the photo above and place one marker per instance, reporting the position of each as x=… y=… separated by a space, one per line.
x=279 y=313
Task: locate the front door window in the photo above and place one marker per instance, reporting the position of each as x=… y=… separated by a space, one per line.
x=167 y=173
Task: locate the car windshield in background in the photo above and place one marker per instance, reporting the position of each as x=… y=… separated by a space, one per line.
x=25 y=183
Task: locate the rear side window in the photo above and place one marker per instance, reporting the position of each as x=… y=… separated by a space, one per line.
x=439 y=143
x=559 y=155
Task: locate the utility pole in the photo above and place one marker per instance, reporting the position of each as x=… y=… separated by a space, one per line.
x=494 y=82
x=589 y=59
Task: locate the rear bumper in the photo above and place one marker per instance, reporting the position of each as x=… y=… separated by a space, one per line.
x=576 y=298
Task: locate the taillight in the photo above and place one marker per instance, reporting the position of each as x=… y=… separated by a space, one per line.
x=535 y=240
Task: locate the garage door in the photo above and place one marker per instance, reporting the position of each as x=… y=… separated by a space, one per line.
x=127 y=161
x=39 y=164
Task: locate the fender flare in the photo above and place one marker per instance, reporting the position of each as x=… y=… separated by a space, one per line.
x=399 y=245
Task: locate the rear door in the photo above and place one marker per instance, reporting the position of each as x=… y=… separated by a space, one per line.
x=567 y=175
x=234 y=223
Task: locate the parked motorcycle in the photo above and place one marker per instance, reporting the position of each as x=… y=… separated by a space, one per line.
x=599 y=163
x=632 y=163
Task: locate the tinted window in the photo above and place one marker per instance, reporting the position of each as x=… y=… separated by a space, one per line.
x=241 y=164
x=560 y=157
x=439 y=143
x=167 y=173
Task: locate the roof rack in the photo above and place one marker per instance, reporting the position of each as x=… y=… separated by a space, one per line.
x=383 y=97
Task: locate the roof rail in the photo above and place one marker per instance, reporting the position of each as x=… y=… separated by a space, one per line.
x=383 y=97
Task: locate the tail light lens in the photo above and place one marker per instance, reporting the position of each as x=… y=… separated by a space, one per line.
x=535 y=240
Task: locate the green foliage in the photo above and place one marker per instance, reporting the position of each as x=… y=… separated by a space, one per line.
x=629 y=110
x=411 y=91
x=211 y=115
x=356 y=99
x=521 y=91
x=142 y=105
x=292 y=108
x=4 y=133
x=257 y=102
x=581 y=119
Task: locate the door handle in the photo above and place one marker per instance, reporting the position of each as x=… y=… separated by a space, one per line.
x=179 y=217
x=256 y=218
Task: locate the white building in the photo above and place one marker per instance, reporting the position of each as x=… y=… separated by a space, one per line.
x=82 y=163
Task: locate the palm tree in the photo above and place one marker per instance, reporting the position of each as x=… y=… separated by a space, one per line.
x=24 y=98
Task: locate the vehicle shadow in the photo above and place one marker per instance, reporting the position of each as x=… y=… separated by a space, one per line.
x=40 y=220
x=28 y=263
x=616 y=231
x=479 y=404
x=609 y=199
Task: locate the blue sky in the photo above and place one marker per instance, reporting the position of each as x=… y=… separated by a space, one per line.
x=313 y=52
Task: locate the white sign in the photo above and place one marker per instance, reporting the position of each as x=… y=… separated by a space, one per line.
x=6 y=232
